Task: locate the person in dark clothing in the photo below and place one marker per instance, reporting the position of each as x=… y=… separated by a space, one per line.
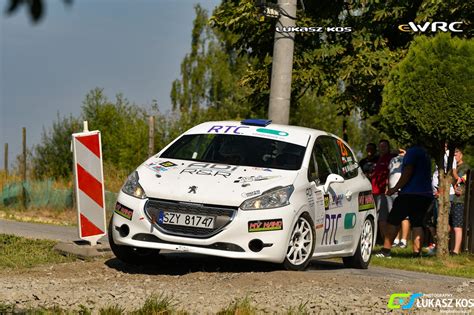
x=414 y=199
x=368 y=163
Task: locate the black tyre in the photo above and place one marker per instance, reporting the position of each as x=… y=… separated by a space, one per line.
x=301 y=244
x=131 y=255
x=363 y=253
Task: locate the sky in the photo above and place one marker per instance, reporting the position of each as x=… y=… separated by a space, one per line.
x=133 y=47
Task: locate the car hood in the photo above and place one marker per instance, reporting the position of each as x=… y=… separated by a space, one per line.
x=208 y=183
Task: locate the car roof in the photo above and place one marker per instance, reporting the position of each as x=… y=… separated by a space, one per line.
x=292 y=134
x=287 y=128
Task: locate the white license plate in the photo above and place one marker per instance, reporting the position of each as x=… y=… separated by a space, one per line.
x=184 y=219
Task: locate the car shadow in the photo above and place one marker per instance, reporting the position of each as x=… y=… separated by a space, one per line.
x=181 y=264
x=323 y=265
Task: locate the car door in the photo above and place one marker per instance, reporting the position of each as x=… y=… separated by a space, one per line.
x=349 y=231
x=327 y=160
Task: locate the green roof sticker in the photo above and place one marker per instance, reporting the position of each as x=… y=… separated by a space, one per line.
x=273 y=132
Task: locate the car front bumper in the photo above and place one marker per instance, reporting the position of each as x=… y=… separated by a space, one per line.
x=233 y=241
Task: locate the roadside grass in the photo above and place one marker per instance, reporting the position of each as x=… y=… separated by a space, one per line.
x=158 y=304
x=19 y=252
x=12 y=309
x=457 y=266
x=154 y=305
x=240 y=307
x=66 y=217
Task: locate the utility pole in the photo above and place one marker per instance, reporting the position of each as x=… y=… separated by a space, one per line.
x=282 y=64
x=23 y=171
x=6 y=160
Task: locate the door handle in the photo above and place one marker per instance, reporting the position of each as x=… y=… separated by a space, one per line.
x=348 y=195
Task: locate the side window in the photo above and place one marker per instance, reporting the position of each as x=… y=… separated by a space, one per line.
x=312 y=171
x=348 y=168
x=327 y=156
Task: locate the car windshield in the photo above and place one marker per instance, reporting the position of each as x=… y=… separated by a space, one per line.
x=237 y=150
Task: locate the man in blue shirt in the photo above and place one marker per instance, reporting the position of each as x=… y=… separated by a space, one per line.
x=414 y=198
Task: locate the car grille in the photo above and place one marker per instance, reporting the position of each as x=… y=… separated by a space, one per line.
x=223 y=214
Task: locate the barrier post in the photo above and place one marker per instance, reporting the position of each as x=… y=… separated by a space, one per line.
x=89 y=185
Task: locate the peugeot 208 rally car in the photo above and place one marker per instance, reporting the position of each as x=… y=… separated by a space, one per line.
x=250 y=190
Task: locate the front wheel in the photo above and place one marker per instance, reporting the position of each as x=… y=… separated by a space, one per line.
x=361 y=258
x=301 y=244
x=131 y=255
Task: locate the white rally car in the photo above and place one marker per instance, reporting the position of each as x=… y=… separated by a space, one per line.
x=250 y=190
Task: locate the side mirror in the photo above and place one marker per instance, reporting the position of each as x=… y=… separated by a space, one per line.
x=332 y=178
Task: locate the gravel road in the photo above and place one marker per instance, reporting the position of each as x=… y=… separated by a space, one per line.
x=202 y=284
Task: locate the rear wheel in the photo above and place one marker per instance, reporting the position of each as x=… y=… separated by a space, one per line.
x=301 y=244
x=361 y=258
x=131 y=255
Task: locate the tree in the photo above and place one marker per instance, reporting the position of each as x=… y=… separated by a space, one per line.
x=360 y=61
x=216 y=83
x=53 y=158
x=123 y=127
x=124 y=134
x=211 y=73
x=429 y=99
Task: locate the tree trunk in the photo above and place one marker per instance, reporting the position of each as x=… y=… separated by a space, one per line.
x=443 y=213
x=444 y=205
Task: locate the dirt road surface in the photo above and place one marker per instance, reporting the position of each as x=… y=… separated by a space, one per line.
x=202 y=284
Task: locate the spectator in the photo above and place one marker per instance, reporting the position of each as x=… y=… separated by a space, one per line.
x=414 y=199
x=456 y=215
x=380 y=185
x=395 y=168
x=367 y=164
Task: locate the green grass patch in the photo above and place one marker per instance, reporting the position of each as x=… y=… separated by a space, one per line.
x=240 y=307
x=19 y=252
x=154 y=305
x=301 y=309
x=158 y=304
x=457 y=266
x=11 y=309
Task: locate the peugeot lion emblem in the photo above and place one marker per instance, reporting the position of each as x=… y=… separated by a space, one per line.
x=192 y=189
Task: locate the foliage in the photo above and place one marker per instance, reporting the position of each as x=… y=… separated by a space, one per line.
x=210 y=73
x=124 y=135
x=430 y=100
x=53 y=157
x=320 y=113
x=123 y=127
x=430 y=96
x=355 y=63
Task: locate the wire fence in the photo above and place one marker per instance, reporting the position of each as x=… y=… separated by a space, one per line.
x=43 y=194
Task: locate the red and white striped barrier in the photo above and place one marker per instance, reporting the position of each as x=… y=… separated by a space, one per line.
x=89 y=185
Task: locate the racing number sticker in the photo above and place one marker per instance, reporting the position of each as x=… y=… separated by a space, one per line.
x=342 y=148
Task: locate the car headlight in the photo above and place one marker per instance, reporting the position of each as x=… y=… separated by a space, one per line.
x=132 y=187
x=274 y=198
